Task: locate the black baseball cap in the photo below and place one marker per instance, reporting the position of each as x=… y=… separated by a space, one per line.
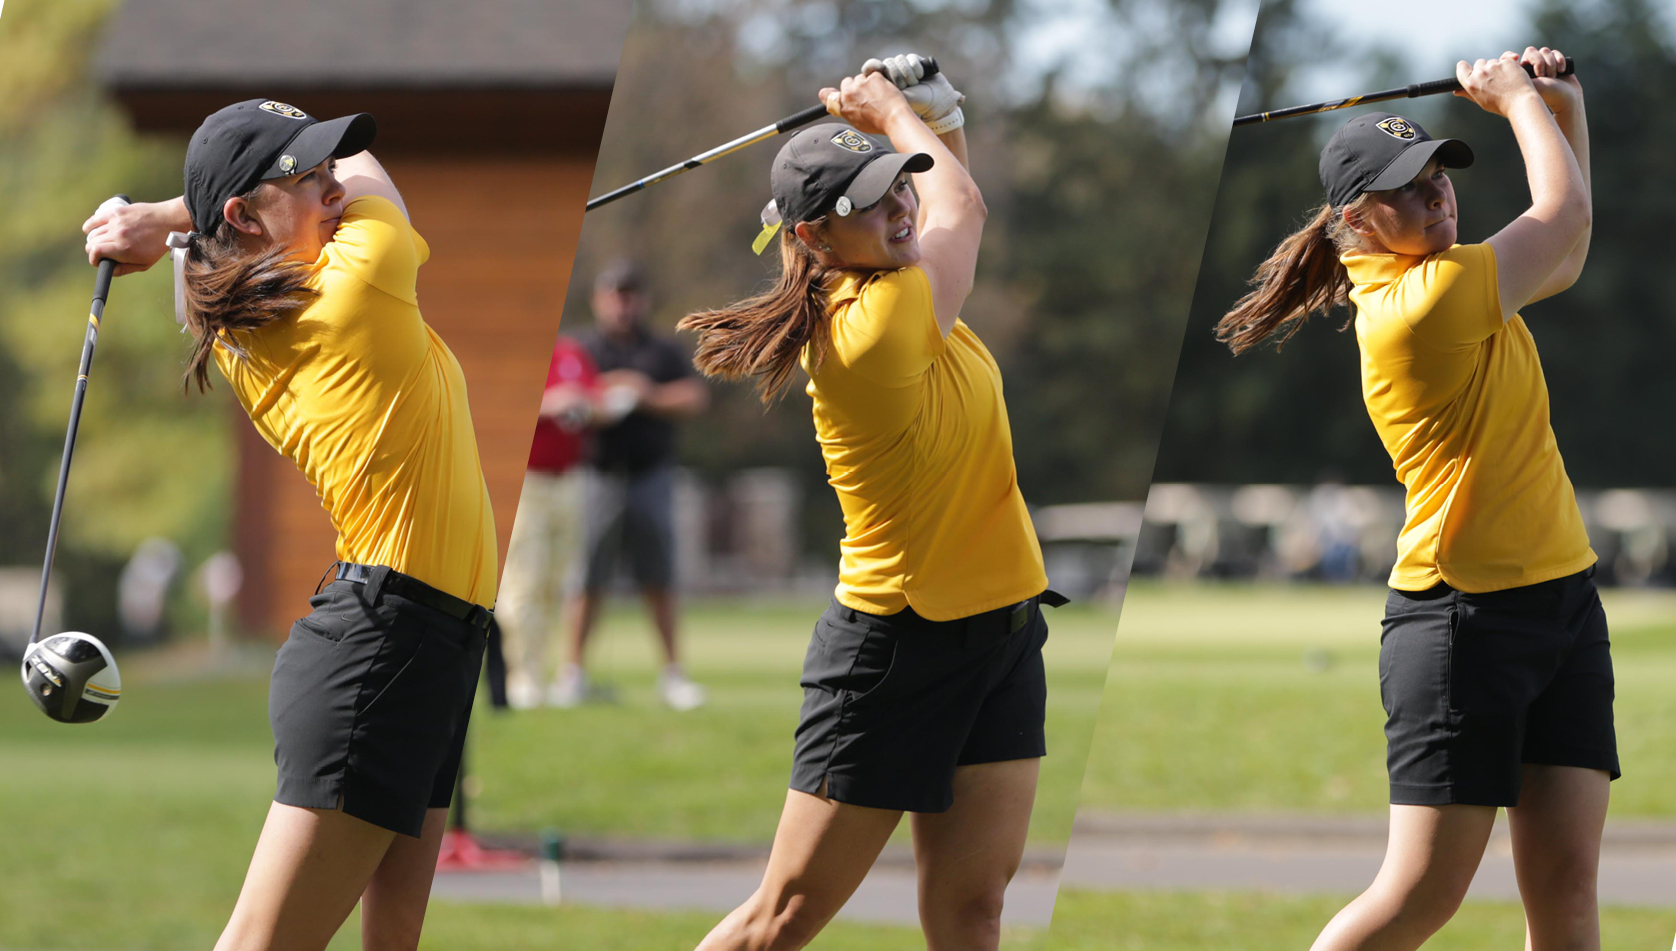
x=1379 y=151
x=252 y=141
x=832 y=169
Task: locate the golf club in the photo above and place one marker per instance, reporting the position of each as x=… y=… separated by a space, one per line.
x=1433 y=88
x=71 y=676
x=796 y=120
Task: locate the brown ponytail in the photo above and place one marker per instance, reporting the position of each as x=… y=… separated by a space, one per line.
x=230 y=289
x=764 y=336
x=1301 y=277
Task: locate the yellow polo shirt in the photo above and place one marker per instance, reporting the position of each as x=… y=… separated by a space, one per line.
x=370 y=404
x=914 y=431
x=1459 y=400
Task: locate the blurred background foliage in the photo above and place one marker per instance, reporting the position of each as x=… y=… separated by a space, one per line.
x=1605 y=344
x=1096 y=132
x=159 y=462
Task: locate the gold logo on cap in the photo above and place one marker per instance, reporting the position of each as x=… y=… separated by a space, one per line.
x=1397 y=127
x=852 y=140
x=288 y=163
x=283 y=109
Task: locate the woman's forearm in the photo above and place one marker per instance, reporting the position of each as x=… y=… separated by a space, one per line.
x=1574 y=126
x=947 y=188
x=1559 y=192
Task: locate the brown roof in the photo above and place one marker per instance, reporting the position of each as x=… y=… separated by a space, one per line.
x=386 y=44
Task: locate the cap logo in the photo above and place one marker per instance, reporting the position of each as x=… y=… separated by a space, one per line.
x=1397 y=127
x=288 y=163
x=844 y=206
x=283 y=109
x=852 y=140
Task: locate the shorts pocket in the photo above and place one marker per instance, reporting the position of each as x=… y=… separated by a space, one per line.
x=853 y=657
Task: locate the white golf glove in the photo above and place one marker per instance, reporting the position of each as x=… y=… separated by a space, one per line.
x=935 y=99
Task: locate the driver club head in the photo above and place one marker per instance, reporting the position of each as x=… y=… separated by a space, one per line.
x=72 y=677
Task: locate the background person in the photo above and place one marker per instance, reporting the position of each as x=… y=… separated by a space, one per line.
x=546 y=538
x=646 y=385
x=300 y=274
x=924 y=689
x=1494 y=665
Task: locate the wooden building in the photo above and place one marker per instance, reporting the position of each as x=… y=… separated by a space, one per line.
x=489 y=115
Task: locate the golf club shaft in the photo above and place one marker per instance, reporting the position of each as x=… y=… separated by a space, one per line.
x=796 y=120
x=1433 y=88
x=101 y=289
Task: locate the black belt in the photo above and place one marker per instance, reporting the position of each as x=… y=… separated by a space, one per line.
x=1021 y=612
x=379 y=579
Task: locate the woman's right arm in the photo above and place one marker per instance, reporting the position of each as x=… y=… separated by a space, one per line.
x=1537 y=243
x=361 y=175
x=952 y=210
x=134 y=234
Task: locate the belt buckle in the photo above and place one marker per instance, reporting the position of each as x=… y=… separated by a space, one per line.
x=1019 y=617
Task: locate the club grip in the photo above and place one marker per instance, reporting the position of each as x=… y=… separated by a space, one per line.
x=798 y=120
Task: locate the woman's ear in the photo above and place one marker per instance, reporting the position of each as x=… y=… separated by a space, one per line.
x=1353 y=218
x=810 y=234
x=238 y=213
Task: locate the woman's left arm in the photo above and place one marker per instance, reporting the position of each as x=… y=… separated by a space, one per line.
x=1565 y=99
x=361 y=175
x=952 y=209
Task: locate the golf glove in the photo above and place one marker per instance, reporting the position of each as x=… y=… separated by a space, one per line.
x=935 y=99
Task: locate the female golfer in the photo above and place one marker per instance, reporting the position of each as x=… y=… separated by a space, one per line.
x=923 y=683
x=1494 y=666
x=299 y=269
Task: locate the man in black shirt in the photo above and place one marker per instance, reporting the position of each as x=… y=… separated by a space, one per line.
x=646 y=384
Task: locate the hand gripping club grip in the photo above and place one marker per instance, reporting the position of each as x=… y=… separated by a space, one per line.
x=107 y=267
x=797 y=120
x=1438 y=86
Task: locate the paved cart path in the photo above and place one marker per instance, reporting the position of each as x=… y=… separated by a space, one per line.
x=1287 y=855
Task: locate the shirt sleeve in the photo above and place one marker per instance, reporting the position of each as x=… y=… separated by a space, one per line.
x=376 y=244
x=1450 y=300
x=889 y=333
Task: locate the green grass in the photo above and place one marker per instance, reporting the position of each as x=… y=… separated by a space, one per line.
x=720 y=772
x=1211 y=705
x=135 y=832
x=1170 y=921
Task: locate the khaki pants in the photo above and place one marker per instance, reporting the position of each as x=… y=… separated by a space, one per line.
x=541 y=564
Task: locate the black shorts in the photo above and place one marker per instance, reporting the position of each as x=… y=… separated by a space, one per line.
x=370 y=699
x=1475 y=685
x=893 y=704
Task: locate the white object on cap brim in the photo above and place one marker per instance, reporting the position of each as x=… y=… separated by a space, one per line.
x=844 y=206
x=179 y=244
x=771 y=222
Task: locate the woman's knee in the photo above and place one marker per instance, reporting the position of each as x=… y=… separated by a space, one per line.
x=971 y=910
x=1427 y=904
x=783 y=922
